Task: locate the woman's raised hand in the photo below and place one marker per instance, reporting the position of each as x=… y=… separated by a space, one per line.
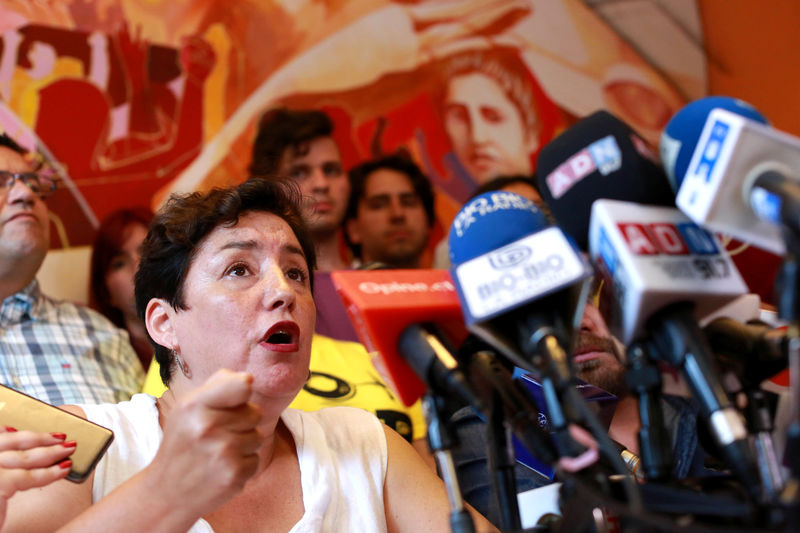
x=211 y=444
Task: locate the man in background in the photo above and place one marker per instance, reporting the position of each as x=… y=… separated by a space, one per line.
x=598 y=359
x=298 y=145
x=390 y=212
x=56 y=351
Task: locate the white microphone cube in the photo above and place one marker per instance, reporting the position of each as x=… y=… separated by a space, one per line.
x=731 y=152
x=651 y=257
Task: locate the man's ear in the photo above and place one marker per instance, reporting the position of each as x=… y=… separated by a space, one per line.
x=351 y=227
x=158 y=321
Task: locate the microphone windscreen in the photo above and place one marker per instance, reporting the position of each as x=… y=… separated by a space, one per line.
x=382 y=303
x=490 y=221
x=682 y=133
x=598 y=157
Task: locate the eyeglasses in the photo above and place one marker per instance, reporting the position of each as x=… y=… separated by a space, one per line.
x=35 y=181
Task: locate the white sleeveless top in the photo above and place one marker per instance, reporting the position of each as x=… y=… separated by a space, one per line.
x=341 y=450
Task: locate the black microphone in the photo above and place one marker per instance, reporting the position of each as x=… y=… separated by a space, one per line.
x=754 y=351
x=427 y=351
x=599 y=156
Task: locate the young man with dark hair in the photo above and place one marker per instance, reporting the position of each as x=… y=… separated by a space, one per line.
x=55 y=351
x=390 y=212
x=298 y=145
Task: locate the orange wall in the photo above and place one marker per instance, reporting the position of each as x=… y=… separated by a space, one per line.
x=753 y=51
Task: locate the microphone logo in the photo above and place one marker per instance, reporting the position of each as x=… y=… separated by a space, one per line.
x=711 y=151
x=543 y=422
x=603 y=156
x=656 y=238
x=509 y=257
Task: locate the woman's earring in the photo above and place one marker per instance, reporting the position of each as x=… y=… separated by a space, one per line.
x=182 y=365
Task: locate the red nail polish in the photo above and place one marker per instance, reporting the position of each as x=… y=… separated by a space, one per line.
x=65 y=463
x=10 y=429
x=69 y=444
x=59 y=436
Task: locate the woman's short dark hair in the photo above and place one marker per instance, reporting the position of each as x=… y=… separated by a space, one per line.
x=180 y=227
x=108 y=243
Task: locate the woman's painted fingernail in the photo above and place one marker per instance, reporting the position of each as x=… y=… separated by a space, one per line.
x=59 y=436
x=10 y=429
x=65 y=463
x=69 y=444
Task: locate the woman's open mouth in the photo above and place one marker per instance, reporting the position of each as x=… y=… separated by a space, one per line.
x=282 y=337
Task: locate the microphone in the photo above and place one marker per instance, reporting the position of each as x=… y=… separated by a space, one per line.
x=428 y=353
x=407 y=317
x=394 y=313
x=598 y=157
x=520 y=281
x=662 y=272
x=741 y=178
x=755 y=351
x=522 y=287
x=651 y=257
x=682 y=133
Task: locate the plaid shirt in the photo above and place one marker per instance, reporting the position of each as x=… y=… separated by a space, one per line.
x=64 y=353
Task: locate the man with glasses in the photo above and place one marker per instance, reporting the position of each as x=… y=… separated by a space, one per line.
x=56 y=351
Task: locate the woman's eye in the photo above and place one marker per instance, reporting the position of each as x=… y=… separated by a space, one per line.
x=237 y=270
x=297 y=274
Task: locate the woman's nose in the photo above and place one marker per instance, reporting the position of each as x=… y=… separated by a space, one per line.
x=278 y=291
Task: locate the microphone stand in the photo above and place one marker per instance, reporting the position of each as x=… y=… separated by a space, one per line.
x=501 y=466
x=644 y=381
x=512 y=409
x=787 y=288
x=760 y=425
x=680 y=342
x=441 y=440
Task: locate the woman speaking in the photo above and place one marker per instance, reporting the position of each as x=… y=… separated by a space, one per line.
x=224 y=289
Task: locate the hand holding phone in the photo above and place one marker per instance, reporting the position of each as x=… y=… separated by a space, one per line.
x=27 y=414
x=44 y=462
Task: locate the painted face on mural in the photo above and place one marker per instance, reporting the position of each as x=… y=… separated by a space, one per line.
x=486 y=129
